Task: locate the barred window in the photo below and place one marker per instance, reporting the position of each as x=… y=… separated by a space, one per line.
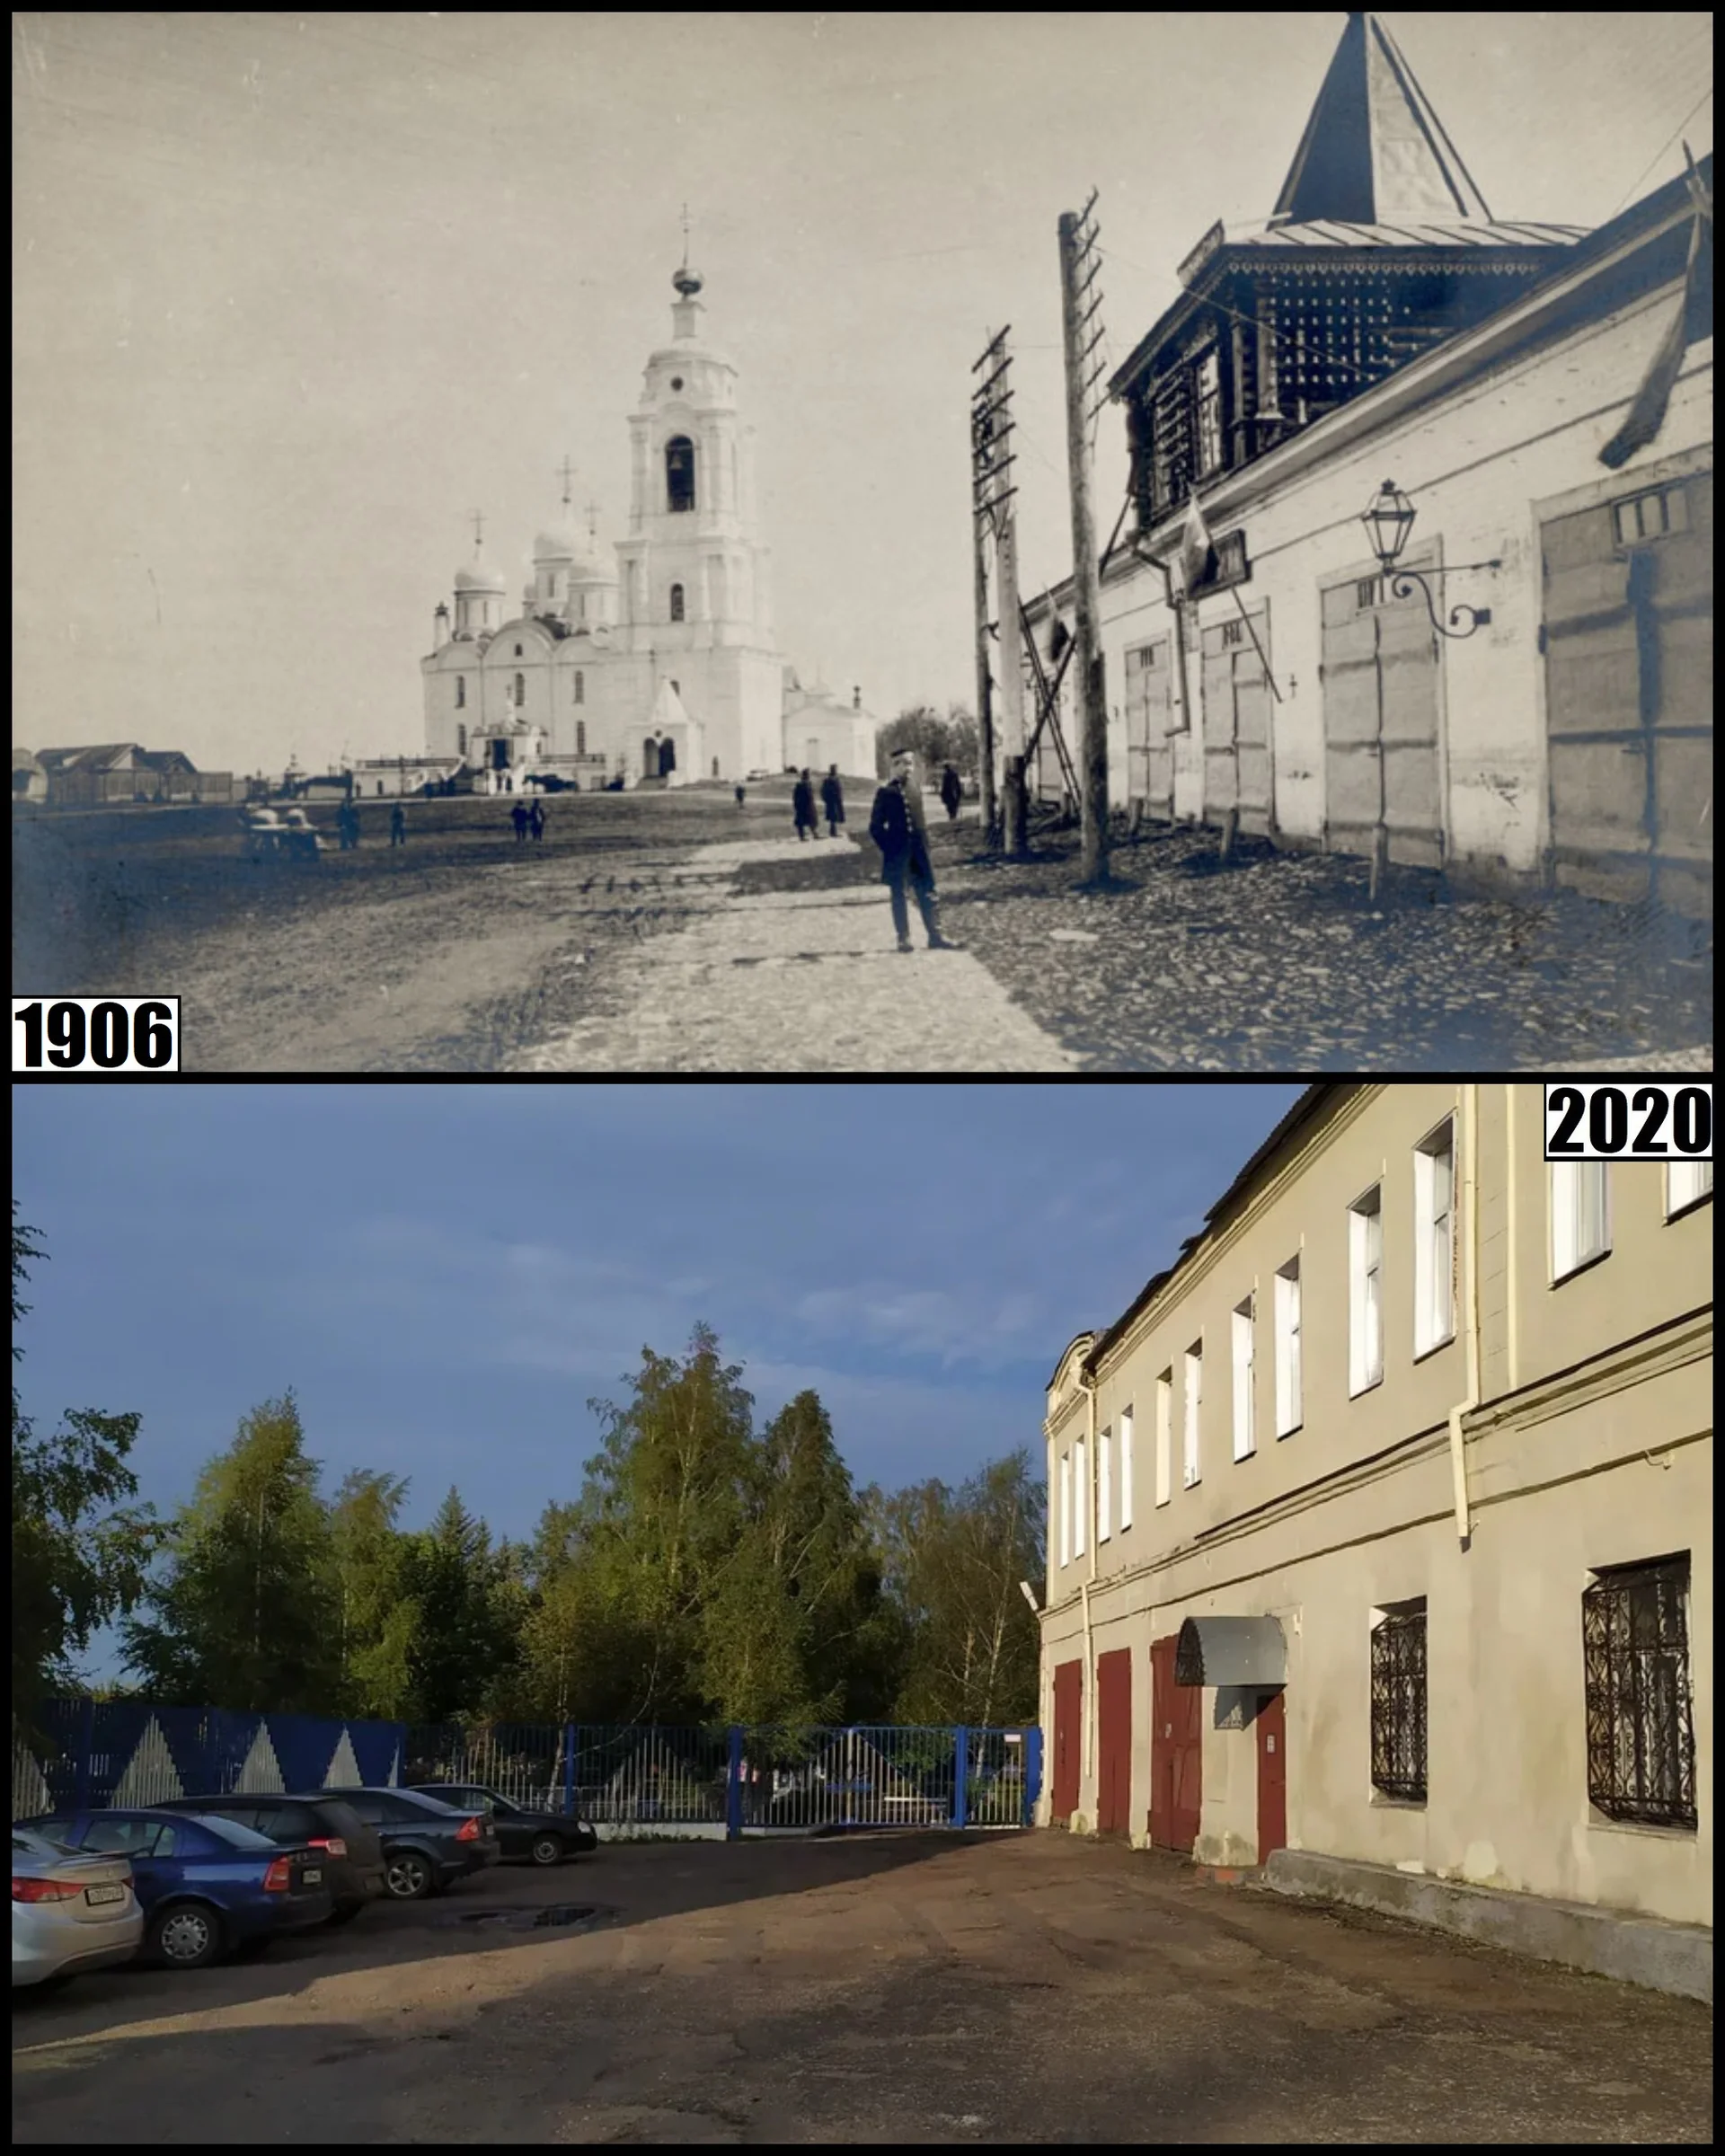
x=1398 y=1701
x=1635 y=1664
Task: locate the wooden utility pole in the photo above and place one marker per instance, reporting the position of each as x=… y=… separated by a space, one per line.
x=987 y=481
x=1083 y=335
x=1013 y=808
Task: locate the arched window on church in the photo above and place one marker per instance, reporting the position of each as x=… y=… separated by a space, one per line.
x=580 y=687
x=461 y=740
x=461 y=692
x=676 y=602
x=581 y=737
x=520 y=690
x=679 y=472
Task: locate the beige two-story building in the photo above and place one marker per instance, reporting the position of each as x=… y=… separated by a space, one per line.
x=1381 y=1532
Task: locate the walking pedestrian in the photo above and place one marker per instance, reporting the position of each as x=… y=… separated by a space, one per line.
x=952 y=793
x=398 y=824
x=536 y=819
x=832 y=799
x=803 y=800
x=518 y=817
x=740 y=796
x=897 y=827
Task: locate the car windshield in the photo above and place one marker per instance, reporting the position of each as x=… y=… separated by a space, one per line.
x=229 y=1830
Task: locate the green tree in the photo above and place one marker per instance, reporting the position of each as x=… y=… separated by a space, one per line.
x=953 y=1561
x=376 y=1618
x=80 y=1550
x=466 y=1616
x=246 y=1610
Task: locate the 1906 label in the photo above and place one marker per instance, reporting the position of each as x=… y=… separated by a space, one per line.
x=92 y=1035
x=1623 y=1121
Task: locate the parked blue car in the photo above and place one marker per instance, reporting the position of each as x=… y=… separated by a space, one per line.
x=206 y=1886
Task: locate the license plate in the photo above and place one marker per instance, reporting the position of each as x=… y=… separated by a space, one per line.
x=311 y=1878
x=104 y=1894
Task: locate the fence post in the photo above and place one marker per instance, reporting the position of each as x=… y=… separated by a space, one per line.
x=961 y=1794
x=734 y=1785
x=1032 y=1774
x=569 y=1769
x=86 y=1745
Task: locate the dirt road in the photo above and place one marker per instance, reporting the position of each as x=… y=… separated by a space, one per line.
x=918 y=1988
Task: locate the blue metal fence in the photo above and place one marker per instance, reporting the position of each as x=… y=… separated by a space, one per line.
x=637 y=1777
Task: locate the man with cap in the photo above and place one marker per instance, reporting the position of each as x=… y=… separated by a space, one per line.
x=897 y=828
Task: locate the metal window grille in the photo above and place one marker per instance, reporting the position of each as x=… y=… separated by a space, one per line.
x=1365 y=594
x=1233 y=632
x=1635 y=1661
x=1398 y=1703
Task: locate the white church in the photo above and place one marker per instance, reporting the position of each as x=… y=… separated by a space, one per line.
x=661 y=668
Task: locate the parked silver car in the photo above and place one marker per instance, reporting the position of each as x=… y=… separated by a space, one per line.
x=70 y=1912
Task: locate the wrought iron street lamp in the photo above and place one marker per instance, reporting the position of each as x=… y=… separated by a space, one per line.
x=1388 y=519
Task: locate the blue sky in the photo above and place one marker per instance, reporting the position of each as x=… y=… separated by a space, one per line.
x=445 y=1274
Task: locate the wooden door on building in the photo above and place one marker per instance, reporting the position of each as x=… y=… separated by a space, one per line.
x=1069 y=1712
x=1627 y=631
x=1150 y=710
x=1114 y=1742
x=1236 y=721
x=1272 y=1774
x=1380 y=722
x=1176 y=1751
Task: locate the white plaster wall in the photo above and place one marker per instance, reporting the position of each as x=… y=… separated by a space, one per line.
x=1475 y=467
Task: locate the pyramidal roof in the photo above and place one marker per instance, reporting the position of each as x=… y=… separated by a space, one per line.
x=667 y=707
x=1374 y=152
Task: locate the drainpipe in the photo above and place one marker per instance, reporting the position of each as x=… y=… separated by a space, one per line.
x=1089 y=1761
x=1468 y=1178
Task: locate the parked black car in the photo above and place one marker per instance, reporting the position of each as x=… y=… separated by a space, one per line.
x=541 y=1837
x=426 y=1845
x=354 y=1865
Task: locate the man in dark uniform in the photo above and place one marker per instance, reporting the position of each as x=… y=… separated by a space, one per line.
x=897 y=828
x=951 y=792
x=832 y=799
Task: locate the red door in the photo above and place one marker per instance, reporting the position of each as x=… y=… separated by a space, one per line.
x=1068 y=1703
x=1176 y=1751
x=1272 y=1775
x=1114 y=1742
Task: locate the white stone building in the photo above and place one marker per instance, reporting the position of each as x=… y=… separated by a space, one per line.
x=1383 y=325
x=661 y=666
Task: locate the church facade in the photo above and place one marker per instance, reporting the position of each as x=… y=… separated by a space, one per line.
x=661 y=664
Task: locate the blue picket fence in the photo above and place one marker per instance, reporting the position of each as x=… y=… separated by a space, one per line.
x=730 y=1781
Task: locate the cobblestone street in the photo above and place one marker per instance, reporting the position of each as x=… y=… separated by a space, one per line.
x=1269 y=962
x=805 y=979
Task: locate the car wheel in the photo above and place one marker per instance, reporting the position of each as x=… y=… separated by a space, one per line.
x=185 y=1936
x=547 y=1849
x=408 y=1875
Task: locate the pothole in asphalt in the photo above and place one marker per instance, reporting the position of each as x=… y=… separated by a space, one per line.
x=556 y=1913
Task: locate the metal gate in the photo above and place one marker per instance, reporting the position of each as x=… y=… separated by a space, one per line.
x=1380 y=722
x=1628 y=637
x=1236 y=721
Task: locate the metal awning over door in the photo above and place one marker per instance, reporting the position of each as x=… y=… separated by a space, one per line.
x=1231 y=1650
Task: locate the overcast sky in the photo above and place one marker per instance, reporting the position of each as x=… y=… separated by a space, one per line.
x=293 y=294
x=445 y=1275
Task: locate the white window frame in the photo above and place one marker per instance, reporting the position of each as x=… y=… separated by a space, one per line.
x=1104 y=1482
x=1434 y=1239
x=1164 y=1435
x=1687 y=1184
x=1289 y=1406
x=1081 y=1498
x=1243 y=1326
x=1125 y=1469
x=1579 y=1188
x=1191 y=1456
x=1065 y=1508
x=1365 y=1292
